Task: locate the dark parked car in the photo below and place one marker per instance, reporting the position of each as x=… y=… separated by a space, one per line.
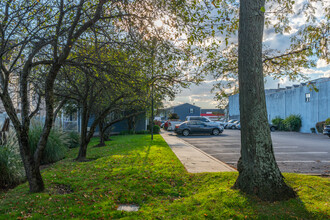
x=197 y=127
x=326 y=130
x=272 y=127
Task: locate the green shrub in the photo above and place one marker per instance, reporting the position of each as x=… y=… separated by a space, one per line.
x=127 y=132
x=292 y=123
x=327 y=122
x=142 y=132
x=57 y=143
x=156 y=129
x=319 y=126
x=278 y=122
x=73 y=139
x=11 y=166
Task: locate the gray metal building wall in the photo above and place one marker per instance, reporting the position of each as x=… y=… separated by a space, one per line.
x=292 y=101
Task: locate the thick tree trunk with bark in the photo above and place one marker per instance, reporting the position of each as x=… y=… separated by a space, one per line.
x=83 y=134
x=32 y=170
x=102 y=134
x=258 y=172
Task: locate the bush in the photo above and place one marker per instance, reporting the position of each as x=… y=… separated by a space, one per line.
x=157 y=122
x=57 y=144
x=156 y=129
x=292 y=123
x=11 y=166
x=319 y=126
x=142 y=132
x=327 y=122
x=73 y=139
x=127 y=132
x=278 y=122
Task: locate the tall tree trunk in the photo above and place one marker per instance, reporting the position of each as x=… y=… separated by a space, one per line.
x=102 y=134
x=258 y=172
x=32 y=170
x=83 y=134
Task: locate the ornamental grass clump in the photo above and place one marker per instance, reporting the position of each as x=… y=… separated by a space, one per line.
x=73 y=139
x=11 y=166
x=57 y=143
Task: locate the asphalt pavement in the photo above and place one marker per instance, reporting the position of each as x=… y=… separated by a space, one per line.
x=294 y=152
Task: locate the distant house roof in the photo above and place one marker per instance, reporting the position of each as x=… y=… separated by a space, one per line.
x=181 y=105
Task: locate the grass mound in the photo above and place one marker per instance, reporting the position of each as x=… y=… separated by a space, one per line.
x=133 y=170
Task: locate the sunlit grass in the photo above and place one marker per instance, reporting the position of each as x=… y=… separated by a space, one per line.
x=134 y=170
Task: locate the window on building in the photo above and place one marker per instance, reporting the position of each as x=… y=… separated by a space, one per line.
x=307 y=97
x=191 y=110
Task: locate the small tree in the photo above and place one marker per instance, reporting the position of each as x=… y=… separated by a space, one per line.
x=173 y=116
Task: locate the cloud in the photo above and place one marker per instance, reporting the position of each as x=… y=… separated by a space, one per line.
x=322 y=63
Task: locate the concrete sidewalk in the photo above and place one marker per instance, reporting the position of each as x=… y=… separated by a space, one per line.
x=192 y=158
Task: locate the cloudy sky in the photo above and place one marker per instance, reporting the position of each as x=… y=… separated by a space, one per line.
x=201 y=95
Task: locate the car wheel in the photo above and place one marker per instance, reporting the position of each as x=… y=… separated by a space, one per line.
x=272 y=129
x=233 y=127
x=185 y=132
x=215 y=132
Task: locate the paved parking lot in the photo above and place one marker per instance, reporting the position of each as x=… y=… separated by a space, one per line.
x=294 y=152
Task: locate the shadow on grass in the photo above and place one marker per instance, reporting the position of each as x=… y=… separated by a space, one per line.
x=293 y=208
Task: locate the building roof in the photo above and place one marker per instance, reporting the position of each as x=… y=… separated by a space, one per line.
x=181 y=105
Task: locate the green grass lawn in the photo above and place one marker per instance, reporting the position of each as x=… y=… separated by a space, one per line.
x=134 y=170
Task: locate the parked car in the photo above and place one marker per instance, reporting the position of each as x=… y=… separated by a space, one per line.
x=231 y=124
x=204 y=119
x=326 y=130
x=238 y=126
x=197 y=127
x=172 y=124
x=271 y=126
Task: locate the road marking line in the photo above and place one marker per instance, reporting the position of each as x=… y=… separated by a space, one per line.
x=301 y=153
x=286 y=147
x=281 y=153
x=292 y=161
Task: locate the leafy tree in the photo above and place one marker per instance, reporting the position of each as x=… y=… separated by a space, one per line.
x=38 y=36
x=258 y=172
x=308 y=42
